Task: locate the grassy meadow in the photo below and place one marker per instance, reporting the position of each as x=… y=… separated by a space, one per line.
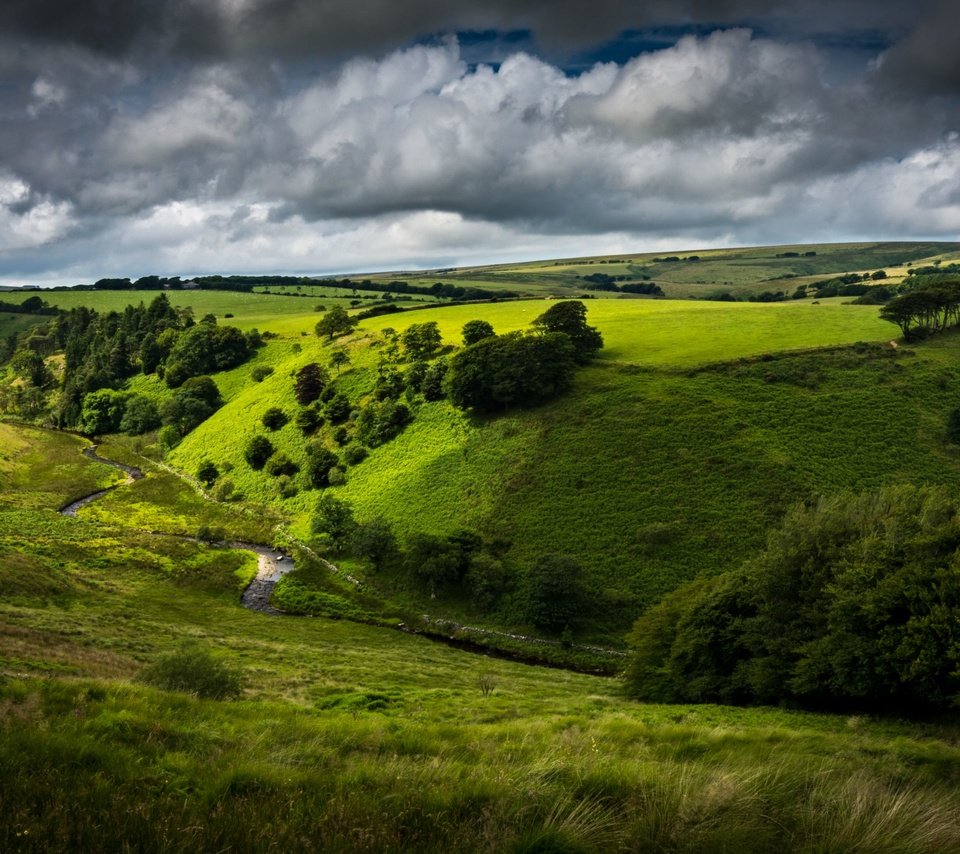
x=348 y=737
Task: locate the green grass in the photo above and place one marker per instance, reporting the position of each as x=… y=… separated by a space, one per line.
x=351 y=737
x=285 y=315
x=653 y=470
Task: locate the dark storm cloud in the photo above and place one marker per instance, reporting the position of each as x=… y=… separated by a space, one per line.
x=271 y=132
x=219 y=28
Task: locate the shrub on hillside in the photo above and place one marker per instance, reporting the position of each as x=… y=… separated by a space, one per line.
x=259 y=449
x=194 y=670
x=280 y=464
x=260 y=373
x=854 y=603
x=274 y=418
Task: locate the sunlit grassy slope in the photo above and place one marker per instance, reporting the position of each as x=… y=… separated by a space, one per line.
x=656 y=468
x=355 y=738
x=677 y=333
x=266 y=312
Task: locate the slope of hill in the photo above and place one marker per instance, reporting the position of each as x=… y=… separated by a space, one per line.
x=349 y=737
x=674 y=453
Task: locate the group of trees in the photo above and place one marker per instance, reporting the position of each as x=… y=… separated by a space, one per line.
x=855 y=603
x=102 y=351
x=605 y=282
x=496 y=372
x=551 y=594
x=926 y=309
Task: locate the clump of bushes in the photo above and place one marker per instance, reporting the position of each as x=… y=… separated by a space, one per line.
x=855 y=603
x=194 y=670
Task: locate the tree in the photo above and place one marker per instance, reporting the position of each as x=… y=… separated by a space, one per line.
x=259 y=449
x=434 y=561
x=310 y=383
x=420 y=340
x=308 y=420
x=102 y=411
x=338 y=408
x=570 y=318
x=334 y=518
x=207 y=473
x=485 y=579
x=320 y=462
x=140 y=415
x=378 y=423
x=339 y=358
x=30 y=366
x=280 y=464
x=334 y=322
x=510 y=370
x=433 y=377
x=554 y=592
x=274 y=418
x=476 y=330
x=375 y=541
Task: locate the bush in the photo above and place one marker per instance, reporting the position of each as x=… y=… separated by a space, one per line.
x=207 y=473
x=259 y=449
x=225 y=490
x=261 y=372
x=338 y=409
x=280 y=464
x=274 y=418
x=380 y=422
x=320 y=462
x=286 y=486
x=354 y=453
x=208 y=534
x=308 y=421
x=196 y=671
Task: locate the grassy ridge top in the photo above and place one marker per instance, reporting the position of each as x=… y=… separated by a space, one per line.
x=674 y=333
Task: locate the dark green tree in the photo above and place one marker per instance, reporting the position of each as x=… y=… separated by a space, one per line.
x=310 y=383
x=570 y=318
x=259 y=449
x=375 y=541
x=334 y=322
x=554 y=592
x=334 y=518
x=476 y=330
x=421 y=340
x=274 y=418
x=208 y=473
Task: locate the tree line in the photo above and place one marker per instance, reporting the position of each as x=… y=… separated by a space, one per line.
x=929 y=308
x=854 y=604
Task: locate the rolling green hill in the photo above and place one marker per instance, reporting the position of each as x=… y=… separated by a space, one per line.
x=697 y=426
x=348 y=737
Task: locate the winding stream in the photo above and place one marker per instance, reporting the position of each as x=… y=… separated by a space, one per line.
x=271 y=564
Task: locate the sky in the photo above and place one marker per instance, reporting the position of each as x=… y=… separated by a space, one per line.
x=182 y=137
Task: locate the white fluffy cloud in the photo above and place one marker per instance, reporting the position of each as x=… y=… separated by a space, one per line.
x=421 y=159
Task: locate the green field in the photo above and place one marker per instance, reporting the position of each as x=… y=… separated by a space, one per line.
x=285 y=315
x=741 y=271
x=349 y=737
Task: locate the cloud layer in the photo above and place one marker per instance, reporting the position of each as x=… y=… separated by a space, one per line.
x=121 y=153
